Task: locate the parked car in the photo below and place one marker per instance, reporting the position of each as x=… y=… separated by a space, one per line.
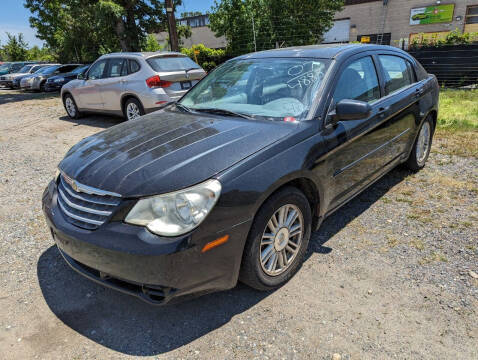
x=131 y=84
x=39 y=81
x=8 y=80
x=26 y=81
x=11 y=67
x=55 y=83
x=229 y=182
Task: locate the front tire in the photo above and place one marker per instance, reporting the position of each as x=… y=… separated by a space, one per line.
x=70 y=107
x=133 y=109
x=277 y=241
x=421 y=149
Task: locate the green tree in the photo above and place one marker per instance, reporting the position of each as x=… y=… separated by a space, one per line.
x=16 y=48
x=151 y=44
x=40 y=54
x=81 y=30
x=250 y=25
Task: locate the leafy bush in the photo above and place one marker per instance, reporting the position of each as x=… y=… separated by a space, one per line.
x=455 y=37
x=206 y=57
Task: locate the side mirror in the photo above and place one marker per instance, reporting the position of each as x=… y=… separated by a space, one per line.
x=81 y=77
x=352 y=110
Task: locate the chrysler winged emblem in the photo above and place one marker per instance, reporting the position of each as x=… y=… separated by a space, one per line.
x=71 y=182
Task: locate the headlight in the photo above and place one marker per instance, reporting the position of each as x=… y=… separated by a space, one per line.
x=178 y=212
x=59 y=80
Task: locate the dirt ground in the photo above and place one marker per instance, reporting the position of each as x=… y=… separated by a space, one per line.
x=393 y=274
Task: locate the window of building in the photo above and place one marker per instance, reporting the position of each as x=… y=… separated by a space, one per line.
x=472 y=15
x=471 y=19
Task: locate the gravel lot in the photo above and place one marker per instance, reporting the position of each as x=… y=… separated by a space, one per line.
x=393 y=274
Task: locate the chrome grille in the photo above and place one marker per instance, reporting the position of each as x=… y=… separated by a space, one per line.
x=85 y=207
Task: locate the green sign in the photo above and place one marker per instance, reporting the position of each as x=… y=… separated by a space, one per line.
x=432 y=14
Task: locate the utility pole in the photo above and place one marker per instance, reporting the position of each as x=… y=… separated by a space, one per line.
x=173 y=34
x=254 y=33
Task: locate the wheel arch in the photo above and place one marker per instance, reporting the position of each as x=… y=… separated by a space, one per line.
x=125 y=98
x=310 y=188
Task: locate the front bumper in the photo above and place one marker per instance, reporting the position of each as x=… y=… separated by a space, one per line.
x=6 y=83
x=132 y=260
x=52 y=86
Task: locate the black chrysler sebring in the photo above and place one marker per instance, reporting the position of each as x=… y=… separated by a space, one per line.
x=228 y=183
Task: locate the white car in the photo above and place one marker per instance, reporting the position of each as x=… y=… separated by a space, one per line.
x=131 y=84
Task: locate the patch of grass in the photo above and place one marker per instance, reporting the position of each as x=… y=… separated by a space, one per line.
x=408 y=201
x=433 y=257
x=392 y=241
x=422 y=215
x=386 y=200
x=417 y=244
x=456 y=142
x=471 y=247
x=458 y=110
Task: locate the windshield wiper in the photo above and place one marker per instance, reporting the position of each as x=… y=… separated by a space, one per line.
x=224 y=112
x=183 y=107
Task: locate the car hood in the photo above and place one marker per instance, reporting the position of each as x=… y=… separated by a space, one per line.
x=166 y=151
x=15 y=75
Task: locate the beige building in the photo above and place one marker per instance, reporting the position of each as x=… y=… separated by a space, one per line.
x=200 y=33
x=396 y=22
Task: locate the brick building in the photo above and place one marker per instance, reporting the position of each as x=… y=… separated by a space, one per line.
x=396 y=22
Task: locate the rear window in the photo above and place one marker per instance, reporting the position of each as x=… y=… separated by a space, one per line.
x=172 y=63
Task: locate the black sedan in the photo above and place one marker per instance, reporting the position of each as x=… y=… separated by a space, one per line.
x=55 y=83
x=229 y=183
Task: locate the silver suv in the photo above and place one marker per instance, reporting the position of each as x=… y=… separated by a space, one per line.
x=131 y=84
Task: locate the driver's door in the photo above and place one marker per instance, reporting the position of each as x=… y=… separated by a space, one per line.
x=88 y=94
x=353 y=143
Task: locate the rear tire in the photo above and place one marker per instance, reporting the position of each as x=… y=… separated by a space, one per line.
x=132 y=109
x=271 y=257
x=70 y=107
x=421 y=148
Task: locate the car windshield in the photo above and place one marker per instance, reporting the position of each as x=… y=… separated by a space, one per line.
x=25 y=69
x=274 y=88
x=172 y=63
x=48 y=70
x=80 y=69
x=4 y=67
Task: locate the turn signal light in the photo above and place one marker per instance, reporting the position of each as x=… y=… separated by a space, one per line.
x=215 y=243
x=155 y=81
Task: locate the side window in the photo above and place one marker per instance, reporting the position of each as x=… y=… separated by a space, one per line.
x=97 y=70
x=66 y=69
x=115 y=67
x=133 y=66
x=358 y=81
x=124 y=68
x=398 y=73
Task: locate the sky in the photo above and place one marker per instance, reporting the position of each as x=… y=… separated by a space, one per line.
x=14 y=18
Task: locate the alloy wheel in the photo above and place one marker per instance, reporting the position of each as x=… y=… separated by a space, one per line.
x=132 y=111
x=70 y=107
x=281 y=240
x=423 y=142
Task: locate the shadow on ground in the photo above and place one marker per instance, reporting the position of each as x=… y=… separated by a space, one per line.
x=11 y=96
x=126 y=324
x=95 y=120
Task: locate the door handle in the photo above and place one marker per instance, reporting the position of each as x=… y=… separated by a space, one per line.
x=419 y=92
x=383 y=110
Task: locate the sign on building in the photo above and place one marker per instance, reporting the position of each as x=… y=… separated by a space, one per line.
x=432 y=14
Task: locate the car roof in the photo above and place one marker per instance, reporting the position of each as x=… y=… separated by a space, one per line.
x=324 y=51
x=145 y=54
